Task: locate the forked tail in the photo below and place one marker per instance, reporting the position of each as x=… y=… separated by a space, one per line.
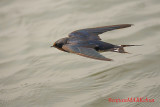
x=129 y=45
x=121 y=48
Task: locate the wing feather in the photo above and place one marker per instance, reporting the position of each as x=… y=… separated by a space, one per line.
x=92 y=33
x=86 y=52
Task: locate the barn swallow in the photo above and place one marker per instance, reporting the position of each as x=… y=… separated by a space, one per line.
x=87 y=43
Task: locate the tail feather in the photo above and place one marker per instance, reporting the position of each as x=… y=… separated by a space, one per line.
x=121 y=48
x=129 y=45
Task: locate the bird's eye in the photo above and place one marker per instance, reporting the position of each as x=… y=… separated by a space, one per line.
x=56 y=44
x=59 y=45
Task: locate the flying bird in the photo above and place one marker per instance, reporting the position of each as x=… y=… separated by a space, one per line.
x=87 y=43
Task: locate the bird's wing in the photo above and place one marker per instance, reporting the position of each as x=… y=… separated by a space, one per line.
x=86 y=52
x=92 y=33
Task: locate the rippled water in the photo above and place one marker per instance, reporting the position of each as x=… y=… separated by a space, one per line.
x=35 y=75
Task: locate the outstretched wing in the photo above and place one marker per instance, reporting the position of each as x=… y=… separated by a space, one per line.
x=86 y=52
x=92 y=33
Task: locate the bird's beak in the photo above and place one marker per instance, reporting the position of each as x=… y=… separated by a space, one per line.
x=53 y=45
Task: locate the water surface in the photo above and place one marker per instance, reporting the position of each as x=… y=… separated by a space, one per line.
x=35 y=75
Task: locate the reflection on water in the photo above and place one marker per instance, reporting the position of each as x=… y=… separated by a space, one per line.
x=35 y=75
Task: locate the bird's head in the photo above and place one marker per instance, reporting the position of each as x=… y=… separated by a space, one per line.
x=59 y=43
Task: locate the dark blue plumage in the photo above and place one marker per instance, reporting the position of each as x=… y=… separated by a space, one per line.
x=87 y=43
